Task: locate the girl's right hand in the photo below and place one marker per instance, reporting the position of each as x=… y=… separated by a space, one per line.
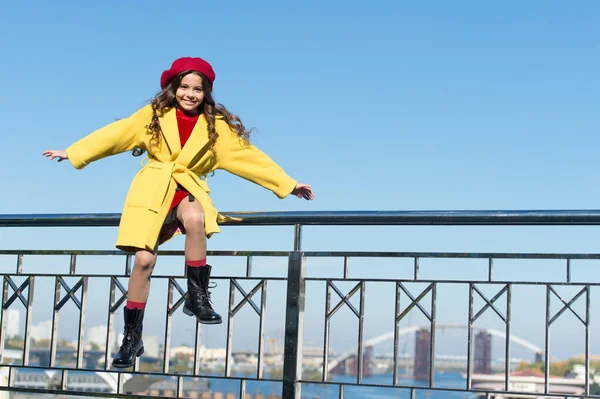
x=60 y=154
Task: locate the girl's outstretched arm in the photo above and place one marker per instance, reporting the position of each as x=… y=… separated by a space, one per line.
x=117 y=137
x=248 y=162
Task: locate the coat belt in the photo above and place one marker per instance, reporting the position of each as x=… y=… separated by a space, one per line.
x=177 y=172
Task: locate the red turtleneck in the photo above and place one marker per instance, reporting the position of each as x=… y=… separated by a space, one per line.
x=185 y=125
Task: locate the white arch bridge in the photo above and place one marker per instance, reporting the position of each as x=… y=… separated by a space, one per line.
x=411 y=330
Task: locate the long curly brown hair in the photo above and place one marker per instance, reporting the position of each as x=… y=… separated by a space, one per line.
x=165 y=100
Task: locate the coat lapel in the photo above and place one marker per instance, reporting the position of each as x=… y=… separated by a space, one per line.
x=168 y=125
x=196 y=146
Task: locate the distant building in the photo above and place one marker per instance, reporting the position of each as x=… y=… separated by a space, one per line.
x=13 y=325
x=151 y=346
x=204 y=353
x=422 y=354
x=41 y=331
x=483 y=353
x=97 y=336
x=181 y=351
x=351 y=366
x=526 y=384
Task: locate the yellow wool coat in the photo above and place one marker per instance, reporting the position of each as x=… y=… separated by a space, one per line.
x=153 y=187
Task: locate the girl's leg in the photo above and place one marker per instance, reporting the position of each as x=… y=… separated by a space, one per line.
x=139 y=281
x=191 y=215
x=137 y=295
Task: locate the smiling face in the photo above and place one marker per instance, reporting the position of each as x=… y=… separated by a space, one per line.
x=189 y=94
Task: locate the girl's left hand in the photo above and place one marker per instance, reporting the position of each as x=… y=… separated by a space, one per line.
x=303 y=191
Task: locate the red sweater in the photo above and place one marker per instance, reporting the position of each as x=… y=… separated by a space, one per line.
x=185 y=125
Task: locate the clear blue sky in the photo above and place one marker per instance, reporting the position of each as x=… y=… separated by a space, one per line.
x=380 y=105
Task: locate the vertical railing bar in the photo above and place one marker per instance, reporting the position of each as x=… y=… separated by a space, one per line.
x=120 y=383
x=470 y=339
x=109 y=324
x=294 y=326
x=11 y=376
x=416 y=268
x=297 y=237
x=73 y=264
x=228 y=349
x=432 y=335
x=361 y=323
x=248 y=265
x=587 y=340
x=568 y=270
x=326 y=333
x=81 y=332
x=197 y=342
x=346 y=260
x=29 y=312
x=490 y=268
x=64 y=379
x=508 y=333
x=547 y=341
x=242 y=389
x=341 y=391
x=412 y=393
x=54 y=337
x=128 y=265
x=179 y=387
x=396 y=328
x=136 y=364
x=168 y=322
x=261 y=330
x=3 y=316
x=19 y=263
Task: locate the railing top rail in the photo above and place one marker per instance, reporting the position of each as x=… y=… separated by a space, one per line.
x=456 y=218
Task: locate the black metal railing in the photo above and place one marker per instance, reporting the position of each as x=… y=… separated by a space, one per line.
x=421 y=295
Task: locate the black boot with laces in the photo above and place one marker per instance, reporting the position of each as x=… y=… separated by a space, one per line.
x=197 y=301
x=132 y=345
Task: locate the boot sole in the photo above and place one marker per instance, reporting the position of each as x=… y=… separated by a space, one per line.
x=190 y=313
x=126 y=366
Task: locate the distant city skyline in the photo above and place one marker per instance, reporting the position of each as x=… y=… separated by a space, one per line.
x=95 y=335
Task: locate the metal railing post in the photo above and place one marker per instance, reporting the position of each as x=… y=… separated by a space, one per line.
x=294 y=326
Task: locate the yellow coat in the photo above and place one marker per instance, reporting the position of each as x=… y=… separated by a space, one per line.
x=153 y=188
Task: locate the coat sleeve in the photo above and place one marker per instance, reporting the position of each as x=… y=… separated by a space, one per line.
x=117 y=137
x=247 y=161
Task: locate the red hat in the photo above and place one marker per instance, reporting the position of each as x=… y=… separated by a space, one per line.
x=187 y=64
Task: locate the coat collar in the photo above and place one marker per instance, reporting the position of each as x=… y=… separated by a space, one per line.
x=195 y=144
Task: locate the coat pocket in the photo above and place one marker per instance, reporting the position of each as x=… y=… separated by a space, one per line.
x=143 y=187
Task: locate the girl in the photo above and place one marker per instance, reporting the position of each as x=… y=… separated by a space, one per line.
x=187 y=136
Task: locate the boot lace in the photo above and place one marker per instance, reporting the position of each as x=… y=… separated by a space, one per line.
x=128 y=339
x=203 y=297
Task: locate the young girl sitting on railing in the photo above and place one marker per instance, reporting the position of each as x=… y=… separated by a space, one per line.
x=187 y=136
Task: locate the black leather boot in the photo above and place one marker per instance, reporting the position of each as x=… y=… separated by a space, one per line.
x=132 y=345
x=197 y=301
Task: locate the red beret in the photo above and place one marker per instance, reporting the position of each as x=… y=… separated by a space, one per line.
x=187 y=64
